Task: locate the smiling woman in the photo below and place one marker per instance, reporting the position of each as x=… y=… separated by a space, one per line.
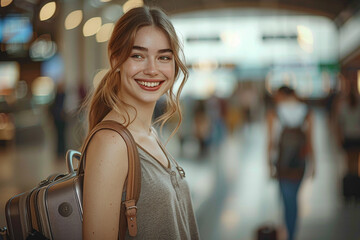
x=150 y=70
x=145 y=63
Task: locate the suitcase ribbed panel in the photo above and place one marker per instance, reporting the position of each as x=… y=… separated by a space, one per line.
x=33 y=210
x=13 y=218
x=64 y=211
x=42 y=213
x=24 y=215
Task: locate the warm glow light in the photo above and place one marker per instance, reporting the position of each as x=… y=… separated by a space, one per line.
x=130 y=4
x=305 y=38
x=230 y=39
x=47 y=11
x=42 y=86
x=99 y=76
x=5 y=3
x=305 y=34
x=104 y=32
x=358 y=81
x=92 y=26
x=73 y=19
x=105 y=0
x=205 y=65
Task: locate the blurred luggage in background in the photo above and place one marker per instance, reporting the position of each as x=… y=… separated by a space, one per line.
x=351 y=187
x=267 y=232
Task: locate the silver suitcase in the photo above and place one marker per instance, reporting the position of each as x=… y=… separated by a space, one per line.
x=39 y=210
x=53 y=209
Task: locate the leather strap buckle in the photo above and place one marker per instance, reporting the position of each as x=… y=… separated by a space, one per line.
x=130 y=213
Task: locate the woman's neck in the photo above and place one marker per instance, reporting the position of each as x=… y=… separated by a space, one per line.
x=140 y=118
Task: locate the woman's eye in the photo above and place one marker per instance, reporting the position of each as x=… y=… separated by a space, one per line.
x=165 y=58
x=137 y=56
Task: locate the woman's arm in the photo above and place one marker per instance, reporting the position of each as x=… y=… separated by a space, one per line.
x=105 y=174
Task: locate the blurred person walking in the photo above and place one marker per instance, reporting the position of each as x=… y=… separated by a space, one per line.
x=348 y=129
x=348 y=114
x=202 y=127
x=289 y=148
x=59 y=116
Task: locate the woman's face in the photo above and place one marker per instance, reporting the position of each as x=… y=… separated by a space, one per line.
x=150 y=69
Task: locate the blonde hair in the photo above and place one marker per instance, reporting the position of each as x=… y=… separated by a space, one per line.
x=105 y=97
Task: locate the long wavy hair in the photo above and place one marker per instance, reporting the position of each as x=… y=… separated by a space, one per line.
x=106 y=95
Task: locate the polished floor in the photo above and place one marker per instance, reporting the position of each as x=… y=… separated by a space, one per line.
x=232 y=194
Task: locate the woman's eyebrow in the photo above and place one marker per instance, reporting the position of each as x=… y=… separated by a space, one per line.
x=165 y=50
x=140 y=48
x=145 y=49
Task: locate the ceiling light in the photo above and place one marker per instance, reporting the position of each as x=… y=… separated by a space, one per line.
x=305 y=38
x=104 y=32
x=73 y=19
x=230 y=39
x=130 y=4
x=47 y=11
x=5 y=3
x=92 y=26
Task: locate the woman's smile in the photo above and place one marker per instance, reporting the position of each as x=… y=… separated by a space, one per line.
x=149 y=85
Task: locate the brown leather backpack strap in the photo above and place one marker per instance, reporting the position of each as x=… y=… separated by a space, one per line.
x=128 y=207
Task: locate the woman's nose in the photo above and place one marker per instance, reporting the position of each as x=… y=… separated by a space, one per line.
x=151 y=68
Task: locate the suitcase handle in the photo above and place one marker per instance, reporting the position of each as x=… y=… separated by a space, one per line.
x=70 y=155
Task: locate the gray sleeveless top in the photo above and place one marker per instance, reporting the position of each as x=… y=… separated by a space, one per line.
x=164 y=209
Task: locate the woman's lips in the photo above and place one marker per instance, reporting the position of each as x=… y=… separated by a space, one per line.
x=149 y=85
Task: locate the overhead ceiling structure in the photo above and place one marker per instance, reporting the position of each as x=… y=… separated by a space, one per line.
x=337 y=10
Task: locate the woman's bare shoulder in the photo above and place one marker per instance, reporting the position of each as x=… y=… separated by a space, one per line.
x=105 y=147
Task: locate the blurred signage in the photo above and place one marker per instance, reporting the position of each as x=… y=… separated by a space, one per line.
x=192 y=39
x=267 y=37
x=15 y=29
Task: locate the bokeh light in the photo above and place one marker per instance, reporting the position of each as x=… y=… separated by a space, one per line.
x=92 y=26
x=73 y=19
x=47 y=11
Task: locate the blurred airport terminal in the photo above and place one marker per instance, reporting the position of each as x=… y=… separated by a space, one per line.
x=238 y=52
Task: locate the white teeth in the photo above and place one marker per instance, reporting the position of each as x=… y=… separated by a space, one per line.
x=149 y=84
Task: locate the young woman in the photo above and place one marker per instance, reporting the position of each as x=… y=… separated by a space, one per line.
x=144 y=57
